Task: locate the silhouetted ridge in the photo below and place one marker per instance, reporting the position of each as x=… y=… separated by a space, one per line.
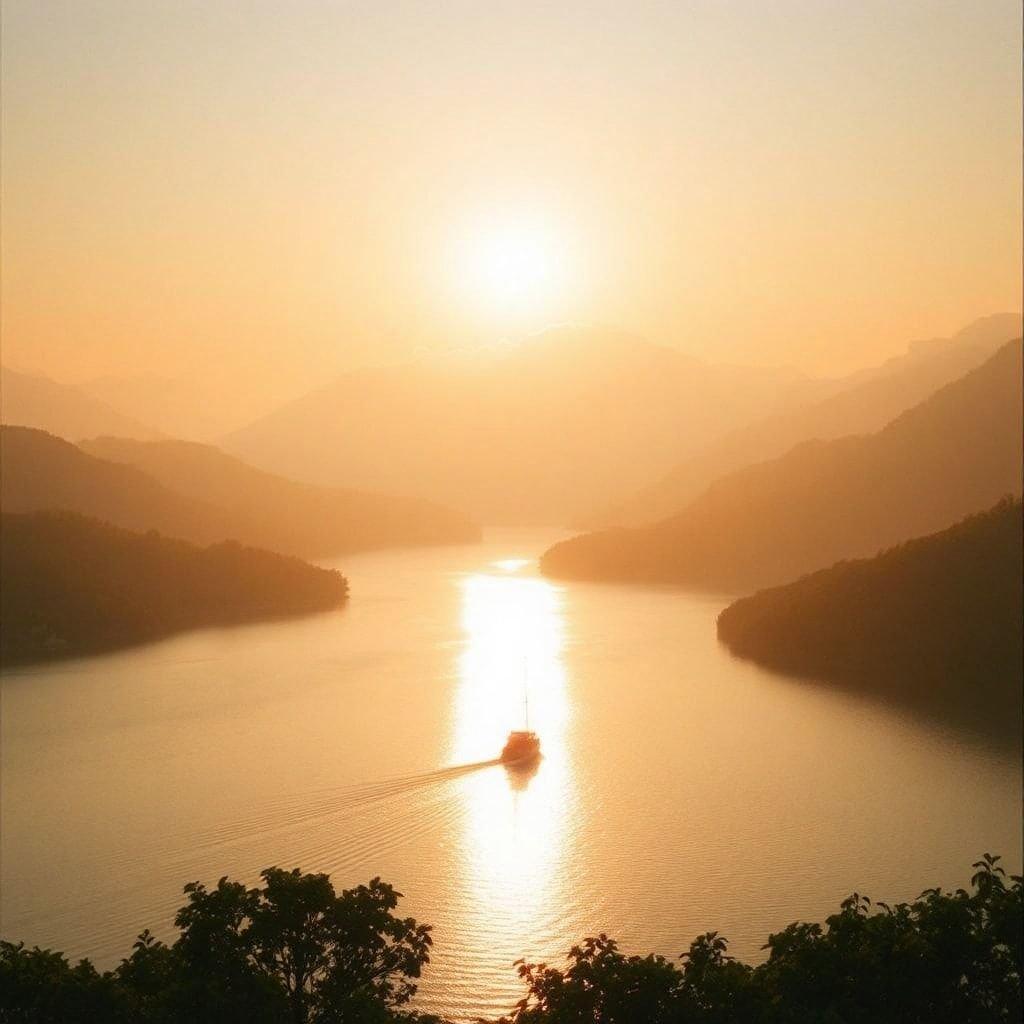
x=271 y=511
x=72 y=585
x=42 y=472
x=940 y=615
x=33 y=400
x=863 y=402
x=955 y=453
x=534 y=432
x=198 y=493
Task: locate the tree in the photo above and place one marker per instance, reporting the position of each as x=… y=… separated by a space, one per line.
x=600 y=986
x=39 y=986
x=296 y=946
x=946 y=958
x=217 y=979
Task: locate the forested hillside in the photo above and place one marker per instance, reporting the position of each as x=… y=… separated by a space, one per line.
x=72 y=585
x=939 y=616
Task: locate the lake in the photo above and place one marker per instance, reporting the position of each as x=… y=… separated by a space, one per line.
x=681 y=790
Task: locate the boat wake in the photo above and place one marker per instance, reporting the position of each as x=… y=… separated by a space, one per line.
x=287 y=812
x=341 y=830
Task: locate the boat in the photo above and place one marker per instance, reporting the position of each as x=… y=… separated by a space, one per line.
x=522 y=748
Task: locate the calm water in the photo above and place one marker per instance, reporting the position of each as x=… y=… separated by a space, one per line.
x=680 y=791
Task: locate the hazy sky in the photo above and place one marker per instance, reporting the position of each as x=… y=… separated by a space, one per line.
x=298 y=187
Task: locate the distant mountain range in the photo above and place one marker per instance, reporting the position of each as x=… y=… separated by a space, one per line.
x=958 y=451
x=557 y=428
x=537 y=432
x=32 y=400
x=42 y=472
x=198 y=406
x=935 y=618
x=73 y=585
x=273 y=512
x=194 y=492
x=861 y=403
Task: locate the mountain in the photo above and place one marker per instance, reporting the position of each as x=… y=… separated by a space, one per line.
x=862 y=403
x=73 y=585
x=35 y=401
x=958 y=451
x=273 y=512
x=196 y=406
x=200 y=494
x=535 y=432
x=42 y=472
x=937 y=617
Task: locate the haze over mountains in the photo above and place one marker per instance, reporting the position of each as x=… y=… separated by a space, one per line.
x=557 y=429
x=957 y=452
x=33 y=400
x=571 y=421
x=42 y=472
x=274 y=512
x=198 y=406
x=861 y=403
x=536 y=432
x=194 y=492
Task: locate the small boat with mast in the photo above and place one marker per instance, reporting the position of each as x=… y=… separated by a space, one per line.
x=522 y=748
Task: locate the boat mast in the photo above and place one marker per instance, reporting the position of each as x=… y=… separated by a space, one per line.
x=526 y=697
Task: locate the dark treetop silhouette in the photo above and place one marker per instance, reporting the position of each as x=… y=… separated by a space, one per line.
x=294 y=950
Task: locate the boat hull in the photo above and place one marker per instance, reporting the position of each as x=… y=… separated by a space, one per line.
x=522 y=748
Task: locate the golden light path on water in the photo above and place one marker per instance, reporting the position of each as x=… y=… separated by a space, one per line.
x=513 y=846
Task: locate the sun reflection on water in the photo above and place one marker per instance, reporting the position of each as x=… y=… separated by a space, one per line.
x=514 y=840
x=511 y=564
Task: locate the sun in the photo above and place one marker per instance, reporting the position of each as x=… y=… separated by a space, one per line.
x=514 y=265
x=514 y=270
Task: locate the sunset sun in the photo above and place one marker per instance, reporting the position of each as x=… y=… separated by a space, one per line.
x=514 y=269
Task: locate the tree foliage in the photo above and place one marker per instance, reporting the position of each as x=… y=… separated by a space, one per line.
x=946 y=958
x=294 y=950
x=290 y=950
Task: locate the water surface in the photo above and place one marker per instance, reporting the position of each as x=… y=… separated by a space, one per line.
x=681 y=790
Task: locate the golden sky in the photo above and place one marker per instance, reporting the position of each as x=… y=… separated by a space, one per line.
x=296 y=188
